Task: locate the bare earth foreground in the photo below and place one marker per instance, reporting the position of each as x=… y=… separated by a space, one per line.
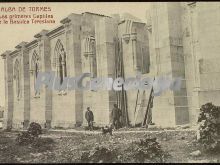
x=67 y=146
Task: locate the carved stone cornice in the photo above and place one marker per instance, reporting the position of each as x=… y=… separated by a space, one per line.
x=88 y=54
x=42 y=33
x=65 y=20
x=21 y=45
x=5 y=54
x=67 y=25
x=133 y=36
x=126 y=37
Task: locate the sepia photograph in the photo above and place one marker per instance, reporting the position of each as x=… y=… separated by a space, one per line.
x=110 y=82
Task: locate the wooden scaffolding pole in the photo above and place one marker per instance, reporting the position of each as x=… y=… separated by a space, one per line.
x=150 y=100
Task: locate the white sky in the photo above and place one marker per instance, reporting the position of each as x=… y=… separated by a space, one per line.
x=11 y=35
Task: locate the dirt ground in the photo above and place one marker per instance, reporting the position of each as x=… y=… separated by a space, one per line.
x=66 y=147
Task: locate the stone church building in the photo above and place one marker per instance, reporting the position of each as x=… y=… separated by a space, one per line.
x=179 y=38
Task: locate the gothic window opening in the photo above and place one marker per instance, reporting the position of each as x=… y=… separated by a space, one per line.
x=35 y=68
x=61 y=70
x=145 y=61
x=89 y=53
x=60 y=61
x=17 y=78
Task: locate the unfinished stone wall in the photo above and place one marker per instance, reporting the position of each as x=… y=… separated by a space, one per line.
x=136 y=60
x=89 y=61
x=106 y=52
x=70 y=38
x=200 y=42
x=21 y=113
x=39 y=61
x=187 y=33
x=178 y=63
x=17 y=113
x=9 y=95
x=208 y=43
x=168 y=60
x=161 y=61
x=191 y=51
x=37 y=101
x=179 y=40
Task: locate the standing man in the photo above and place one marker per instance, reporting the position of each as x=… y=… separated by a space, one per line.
x=90 y=118
x=116 y=114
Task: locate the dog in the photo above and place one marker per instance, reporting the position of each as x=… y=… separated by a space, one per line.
x=107 y=129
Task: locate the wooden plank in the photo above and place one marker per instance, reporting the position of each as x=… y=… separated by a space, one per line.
x=136 y=102
x=148 y=106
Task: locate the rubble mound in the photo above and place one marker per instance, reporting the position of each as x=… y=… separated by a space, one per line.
x=99 y=154
x=24 y=138
x=29 y=136
x=35 y=129
x=147 y=150
x=139 y=151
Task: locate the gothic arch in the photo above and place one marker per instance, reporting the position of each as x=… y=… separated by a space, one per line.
x=35 y=68
x=35 y=63
x=17 y=77
x=89 y=54
x=60 y=60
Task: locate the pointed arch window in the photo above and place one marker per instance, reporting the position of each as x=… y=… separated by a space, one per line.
x=17 y=78
x=90 y=54
x=35 y=68
x=60 y=61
